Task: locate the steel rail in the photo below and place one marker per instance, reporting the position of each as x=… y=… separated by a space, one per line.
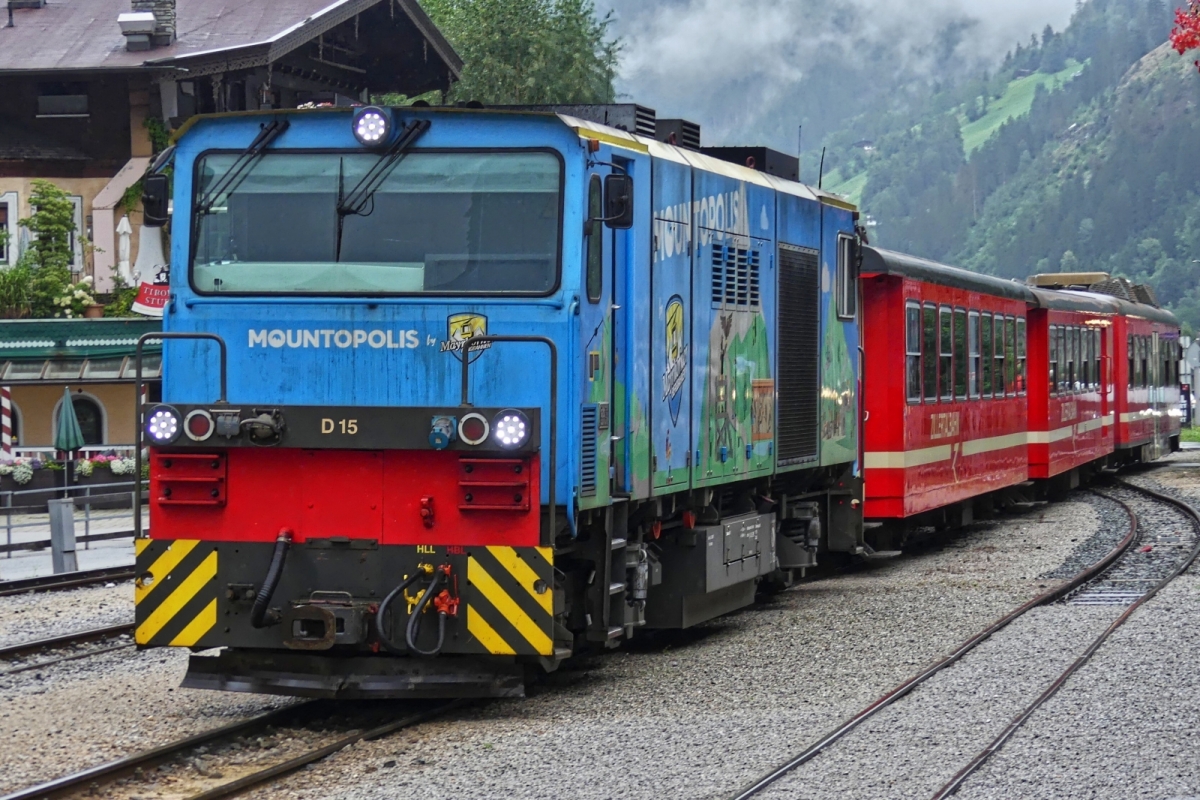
x=67 y=580
x=79 y=637
x=966 y=647
x=85 y=778
x=955 y=783
x=248 y=782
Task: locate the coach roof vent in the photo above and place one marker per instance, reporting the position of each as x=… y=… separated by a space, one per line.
x=1068 y=280
x=628 y=117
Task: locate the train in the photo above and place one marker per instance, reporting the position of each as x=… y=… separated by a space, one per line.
x=451 y=395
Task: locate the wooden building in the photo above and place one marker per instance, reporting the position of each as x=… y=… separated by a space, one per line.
x=86 y=86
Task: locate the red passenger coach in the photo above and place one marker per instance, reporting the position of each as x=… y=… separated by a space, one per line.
x=945 y=374
x=1071 y=398
x=1146 y=365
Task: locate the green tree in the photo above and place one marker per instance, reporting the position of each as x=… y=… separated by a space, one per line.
x=51 y=224
x=529 y=51
x=48 y=257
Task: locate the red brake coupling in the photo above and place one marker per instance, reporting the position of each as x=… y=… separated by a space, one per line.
x=445 y=602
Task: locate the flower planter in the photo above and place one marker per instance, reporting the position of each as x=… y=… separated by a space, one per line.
x=44 y=486
x=94 y=311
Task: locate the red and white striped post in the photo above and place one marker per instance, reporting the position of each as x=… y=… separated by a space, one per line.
x=6 y=447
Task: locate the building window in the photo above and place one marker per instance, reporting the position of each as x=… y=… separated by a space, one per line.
x=912 y=351
x=9 y=214
x=63 y=100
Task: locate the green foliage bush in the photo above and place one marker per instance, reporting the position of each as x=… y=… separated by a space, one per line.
x=529 y=51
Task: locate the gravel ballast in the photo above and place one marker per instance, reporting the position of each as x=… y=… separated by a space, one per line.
x=702 y=713
x=41 y=615
x=1124 y=726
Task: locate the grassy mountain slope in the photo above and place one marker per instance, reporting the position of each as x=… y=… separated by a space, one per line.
x=1097 y=173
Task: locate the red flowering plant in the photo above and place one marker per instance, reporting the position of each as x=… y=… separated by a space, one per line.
x=1186 y=33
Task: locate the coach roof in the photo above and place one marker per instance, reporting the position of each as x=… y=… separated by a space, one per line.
x=885 y=262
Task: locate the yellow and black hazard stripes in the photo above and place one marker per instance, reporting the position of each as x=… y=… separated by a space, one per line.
x=510 y=600
x=175 y=594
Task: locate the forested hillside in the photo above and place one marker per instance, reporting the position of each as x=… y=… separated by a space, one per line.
x=1079 y=153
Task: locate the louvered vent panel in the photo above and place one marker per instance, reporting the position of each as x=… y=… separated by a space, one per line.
x=735 y=277
x=591 y=435
x=798 y=344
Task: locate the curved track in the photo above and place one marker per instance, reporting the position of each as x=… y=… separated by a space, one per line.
x=1178 y=556
x=966 y=647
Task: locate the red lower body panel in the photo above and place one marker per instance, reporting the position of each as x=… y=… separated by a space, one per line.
x=397 y=497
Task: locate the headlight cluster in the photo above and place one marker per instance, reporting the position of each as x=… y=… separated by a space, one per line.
x=509 y=429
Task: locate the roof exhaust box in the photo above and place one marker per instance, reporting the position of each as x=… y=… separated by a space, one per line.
x=149 y=23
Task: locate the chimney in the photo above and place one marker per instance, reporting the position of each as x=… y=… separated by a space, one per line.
x=135 y=25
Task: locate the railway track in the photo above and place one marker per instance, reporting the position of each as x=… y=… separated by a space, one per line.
x=25 y=649
x=1127 y=575
x=127 y=776
x=69 y=580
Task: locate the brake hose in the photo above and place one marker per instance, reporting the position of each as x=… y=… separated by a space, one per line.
x=387 y=643
x=414 y=620
x=258 y=612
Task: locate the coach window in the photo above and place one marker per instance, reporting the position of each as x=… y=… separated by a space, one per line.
x=912 y=351
x=847 y=278
x=960 y=354
x=1131 y=357
x=973 y=335
x=1073 y=344
x=929 y=348
x=1096 y=371
x=1093 y=369
x=1053 y=359
x=986 y=339
x=1143 y=362
x=946 y=362
x=1010 y=356
x=1021 y=355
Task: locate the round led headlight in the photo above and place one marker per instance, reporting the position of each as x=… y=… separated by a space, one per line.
x=473 y=429
x=199 y=425
x=510 y=429
x=372 y=126
x=163 y=425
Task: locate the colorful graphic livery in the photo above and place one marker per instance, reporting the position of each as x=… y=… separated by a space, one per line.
x=451 y=395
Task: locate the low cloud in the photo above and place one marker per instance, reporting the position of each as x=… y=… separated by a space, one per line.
x=755 y=69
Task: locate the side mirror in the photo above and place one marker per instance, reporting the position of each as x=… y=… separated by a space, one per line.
x=156 y=198
x=618 y=201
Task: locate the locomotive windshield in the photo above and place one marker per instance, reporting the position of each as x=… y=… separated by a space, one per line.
x=441 y=223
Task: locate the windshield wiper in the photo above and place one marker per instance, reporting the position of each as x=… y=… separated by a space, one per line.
x=361 y=194
x=364 y=190
x=240 y=168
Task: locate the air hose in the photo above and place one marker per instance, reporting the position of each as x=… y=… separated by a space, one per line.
x=414 y=620
x=387 y=643
x=258 y=613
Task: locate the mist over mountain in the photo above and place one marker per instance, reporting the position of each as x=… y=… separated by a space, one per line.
x=752 y=71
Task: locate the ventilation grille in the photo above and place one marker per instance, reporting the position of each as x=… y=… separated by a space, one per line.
x=799 y=353
x=591 y=435
x=1114 y=287
x=1145 y=294
x=735 y=277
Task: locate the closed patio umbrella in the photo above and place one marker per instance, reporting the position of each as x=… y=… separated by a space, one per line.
x=67 y=436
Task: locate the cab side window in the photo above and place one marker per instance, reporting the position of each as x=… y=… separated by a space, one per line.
x=595 y=240
x=847 y=277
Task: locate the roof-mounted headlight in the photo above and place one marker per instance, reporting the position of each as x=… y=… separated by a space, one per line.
x=373 y=126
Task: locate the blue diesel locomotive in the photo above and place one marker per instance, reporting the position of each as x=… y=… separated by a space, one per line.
x=450 y=395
